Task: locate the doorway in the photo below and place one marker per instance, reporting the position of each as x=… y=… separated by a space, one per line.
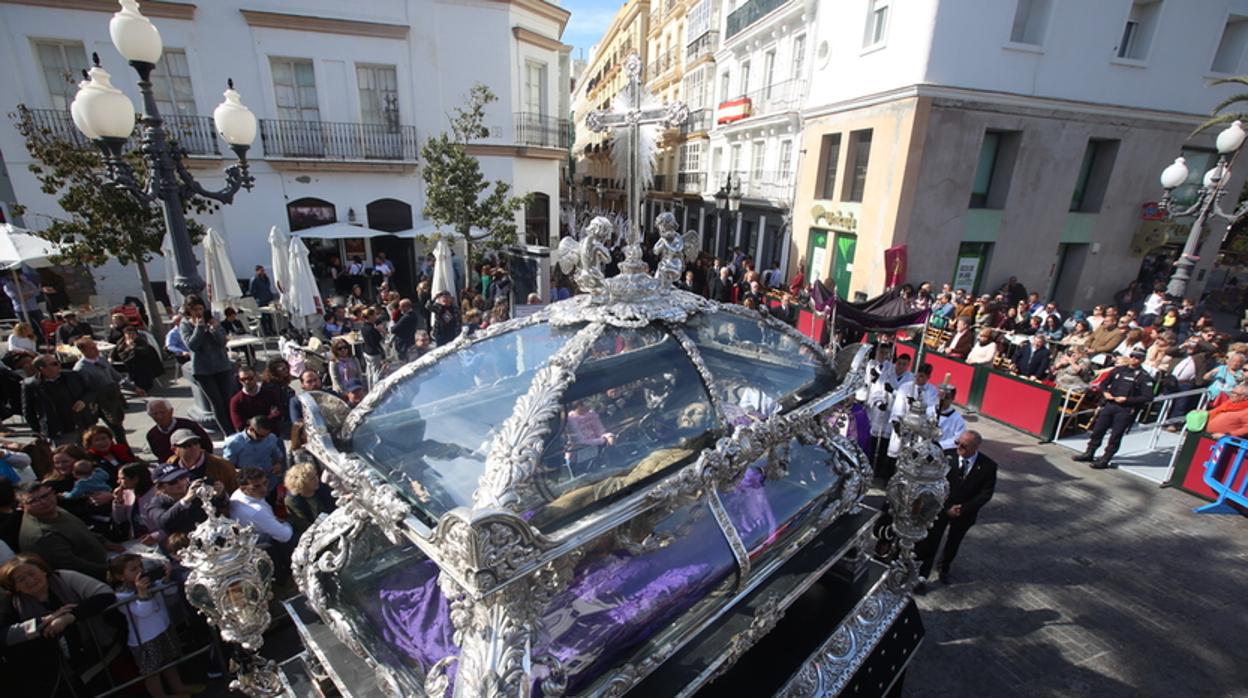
x=843 y=262
x=816 y=254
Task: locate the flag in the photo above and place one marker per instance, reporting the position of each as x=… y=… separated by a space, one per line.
x=894 y=266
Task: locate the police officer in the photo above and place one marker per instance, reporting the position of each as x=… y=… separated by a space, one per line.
x=1127 y=388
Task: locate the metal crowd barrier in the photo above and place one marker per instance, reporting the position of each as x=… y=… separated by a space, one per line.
x=1229 y=487
x=181 y=617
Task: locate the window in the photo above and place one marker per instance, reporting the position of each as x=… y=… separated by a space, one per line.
x=734 y=159
x=1029 y=19
x=745 y=77
x=171 y=83
x=717 y=161
x=983 y=171
x=1137 y=35
x=799 y=55
x=758 y=160
x=1094 y=172
x=61 y=62
x=786 y=161
x=1231 y=47
x=724 y=87
x=997 y=154
x=1199 y=161
x=691 y=156
x=379 y=94
x=294 y=86
x=877 y=24
x=695 y=89
x=535 y=88
x=769 y=72
x=859 y=157
x=829 y=155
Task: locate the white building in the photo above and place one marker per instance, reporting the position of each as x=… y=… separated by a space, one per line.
x=345 y=93
x=759 y=79
x=1006 y=137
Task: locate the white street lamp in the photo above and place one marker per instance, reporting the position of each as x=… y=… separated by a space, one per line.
x=1232 y=138
x=1174 y=175
x=235 y=122
x=105 y=115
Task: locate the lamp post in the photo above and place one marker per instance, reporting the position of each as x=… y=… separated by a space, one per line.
x=728 y=198
x=1208 y=196
x=106 y=116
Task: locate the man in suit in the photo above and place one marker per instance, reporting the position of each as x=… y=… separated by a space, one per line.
x=721 y=288
x=972 y=479
x=1032 y=359
x=959 y=345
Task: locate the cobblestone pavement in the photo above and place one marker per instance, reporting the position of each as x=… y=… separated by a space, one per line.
x=1076 y=582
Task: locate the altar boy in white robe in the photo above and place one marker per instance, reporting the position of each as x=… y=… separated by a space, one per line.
x=952 y=425
x=883 y=379
x=919 y=387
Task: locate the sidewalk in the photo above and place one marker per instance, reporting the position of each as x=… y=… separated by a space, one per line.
x=1078 y=582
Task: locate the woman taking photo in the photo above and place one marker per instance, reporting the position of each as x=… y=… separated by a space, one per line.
x=211 y=367
x=51 y=614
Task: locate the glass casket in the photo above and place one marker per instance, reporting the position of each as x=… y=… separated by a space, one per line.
x=566 y=503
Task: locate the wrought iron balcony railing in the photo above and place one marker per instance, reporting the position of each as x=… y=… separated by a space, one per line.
x=196 y=134
x=543 y=131
x=781 y=96
x=329 y=140
x=748 y=14
x=662 y=183
x=704 y=45
x=659 y=65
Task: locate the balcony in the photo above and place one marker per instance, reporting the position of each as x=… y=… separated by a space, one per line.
x=691 y=182
x=748 y=14
x=329 y=140
x=704 y=45
x=662 y=184
x=699 y=121
x=771 y=186
x=196 y=134
x=782 y=96
x=542 y=131
x=659 y=65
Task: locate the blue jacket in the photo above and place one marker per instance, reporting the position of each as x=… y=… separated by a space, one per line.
x=243 y=451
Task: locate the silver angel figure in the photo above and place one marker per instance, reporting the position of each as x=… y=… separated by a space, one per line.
x=672 y=249
x=588 y=255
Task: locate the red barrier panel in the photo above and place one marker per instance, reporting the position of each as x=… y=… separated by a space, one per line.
x=1019 y=403
x=1193 y=480
x=811 y=324
x=961 y=375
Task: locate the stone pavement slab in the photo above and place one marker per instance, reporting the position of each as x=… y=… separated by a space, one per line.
x=1077 y=582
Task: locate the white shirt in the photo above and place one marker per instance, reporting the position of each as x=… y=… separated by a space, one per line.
x=982 y=353
x=965 y=464
x=257 y=513
x=1185 y=372
x=952 y=425
x=1154 y=303
x=22 y=344
x=146 y=618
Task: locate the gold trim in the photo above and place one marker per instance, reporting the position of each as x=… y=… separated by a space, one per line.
x=323 y=25
x=515 y=151
x=151 y=8
x=529 y=36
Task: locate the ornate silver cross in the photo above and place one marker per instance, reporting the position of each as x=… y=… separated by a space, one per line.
x=671 y=115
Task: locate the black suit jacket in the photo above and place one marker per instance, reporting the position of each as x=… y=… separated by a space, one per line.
x=973 y=490
x=721 y=291
x=1032 y=363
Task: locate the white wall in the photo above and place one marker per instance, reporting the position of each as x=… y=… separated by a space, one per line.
x=449 y=48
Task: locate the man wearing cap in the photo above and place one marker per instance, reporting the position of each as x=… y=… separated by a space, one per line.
x=72 y=328
x=189 y=454
x=1125 y=389
x=175 y=508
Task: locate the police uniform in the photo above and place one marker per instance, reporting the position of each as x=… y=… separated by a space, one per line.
x=1137 y=387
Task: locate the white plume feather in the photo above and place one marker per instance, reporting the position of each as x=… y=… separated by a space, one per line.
x=648 y=148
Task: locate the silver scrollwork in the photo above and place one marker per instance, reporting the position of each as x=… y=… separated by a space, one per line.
x=916 y=492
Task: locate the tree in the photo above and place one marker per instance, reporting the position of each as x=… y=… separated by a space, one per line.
x=101 y=221
x=457 y=194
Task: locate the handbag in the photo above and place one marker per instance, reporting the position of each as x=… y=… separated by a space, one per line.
x=1196 y=420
